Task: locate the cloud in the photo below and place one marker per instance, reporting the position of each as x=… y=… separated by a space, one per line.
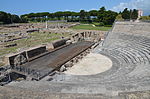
x=134 y=4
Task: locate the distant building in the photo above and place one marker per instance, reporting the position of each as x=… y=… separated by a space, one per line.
x=140 y=13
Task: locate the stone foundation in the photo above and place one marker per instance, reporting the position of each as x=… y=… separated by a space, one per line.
x=24 y=56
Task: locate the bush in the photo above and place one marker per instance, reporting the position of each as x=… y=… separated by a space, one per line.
x=101 y=24
x=145 y=18
x=98 y=23
x=108 y=25
x=119 y=17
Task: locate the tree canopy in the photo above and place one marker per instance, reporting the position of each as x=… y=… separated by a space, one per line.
x=101 y=16
x=129 y=14
x=7 y=18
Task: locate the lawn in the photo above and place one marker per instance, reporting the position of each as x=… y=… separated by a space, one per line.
x=34 y=40
x=91 y=27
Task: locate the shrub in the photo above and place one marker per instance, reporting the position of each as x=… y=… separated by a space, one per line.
x=101 y=24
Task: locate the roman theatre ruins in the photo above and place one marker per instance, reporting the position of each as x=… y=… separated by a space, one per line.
x=85 y=65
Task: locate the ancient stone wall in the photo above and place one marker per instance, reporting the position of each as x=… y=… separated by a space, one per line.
x=35 y=51
x=93 y=36
x=57 y=43
x=24 y=56
x=62 y=25
x=15 y=59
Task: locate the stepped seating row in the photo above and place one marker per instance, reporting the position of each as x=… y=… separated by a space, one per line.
x=118 y=69
x=134 y=55
x=134 y=50
x=145 y=43
x=125 y=39
x=129 y=57
x=131 y=52
x=130 y=27
x=19 y=93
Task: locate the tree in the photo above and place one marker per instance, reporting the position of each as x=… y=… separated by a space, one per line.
x=126 y=14
x=5 y=18
x=66 y=14
x=88 y=17
x=82 y=15
x=109 y=17
x=101 y=14
x=44 y=14
x=51 y=16
x=74 y=16
x=15 y=18
x=93 y=13
x=24 y=18
x=102 y=9
x=58 y=15
x=134 y=14
x=119 y=17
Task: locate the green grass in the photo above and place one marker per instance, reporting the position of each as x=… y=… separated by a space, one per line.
x=8 y=50
x=36 y=39
x=91 y=27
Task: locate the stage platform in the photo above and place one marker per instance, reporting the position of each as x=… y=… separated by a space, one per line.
x=52 y=61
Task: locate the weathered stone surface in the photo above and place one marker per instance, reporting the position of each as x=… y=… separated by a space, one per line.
x=128 y=47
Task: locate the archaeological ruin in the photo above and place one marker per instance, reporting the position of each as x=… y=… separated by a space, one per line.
x=116 y=63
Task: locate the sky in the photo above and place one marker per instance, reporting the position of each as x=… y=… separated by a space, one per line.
x=20 y=7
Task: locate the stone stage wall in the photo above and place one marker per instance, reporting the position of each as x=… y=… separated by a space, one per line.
x=24 y=56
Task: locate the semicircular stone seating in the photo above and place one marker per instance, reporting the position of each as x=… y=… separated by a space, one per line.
x=128 y=47
x=130 y=54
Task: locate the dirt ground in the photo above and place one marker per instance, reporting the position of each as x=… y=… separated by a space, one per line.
x=91 y=64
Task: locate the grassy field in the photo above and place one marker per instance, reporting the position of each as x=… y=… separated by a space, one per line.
x=91 y=27
x=34 y=40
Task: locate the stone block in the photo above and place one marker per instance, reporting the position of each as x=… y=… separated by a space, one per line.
x=17 y=58
x=35 y=51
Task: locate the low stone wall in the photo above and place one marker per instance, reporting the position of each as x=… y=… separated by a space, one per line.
x=14 y=39
x=32 y=52
x=93 y=36
x=13 y=59
x=61 y=25
x=24 y=56
x=32 y=30
x=10 y=45
x=57 y=43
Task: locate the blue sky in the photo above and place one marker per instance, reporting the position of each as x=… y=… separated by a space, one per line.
x=27 y=6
